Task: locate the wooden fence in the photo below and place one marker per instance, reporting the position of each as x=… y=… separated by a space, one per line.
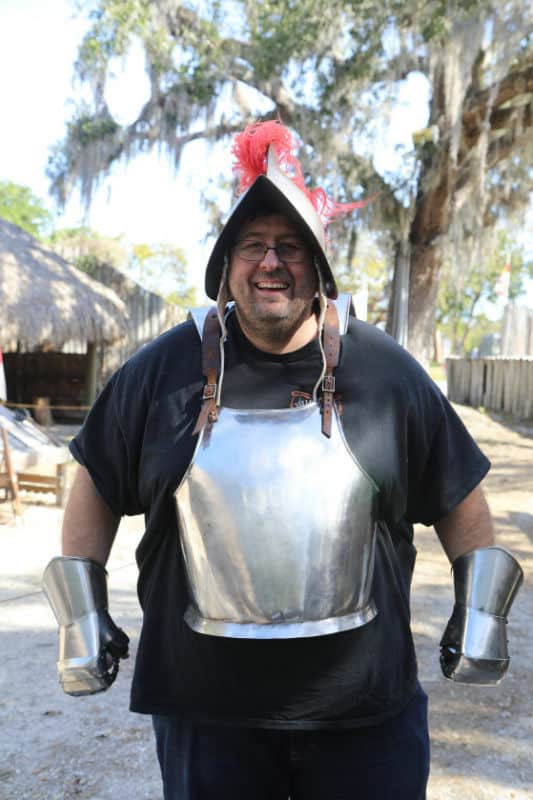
x=499 y=384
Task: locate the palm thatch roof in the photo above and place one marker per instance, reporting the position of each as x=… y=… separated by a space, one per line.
x=44 y=299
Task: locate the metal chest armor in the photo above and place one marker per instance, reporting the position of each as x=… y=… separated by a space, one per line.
x=277 y=527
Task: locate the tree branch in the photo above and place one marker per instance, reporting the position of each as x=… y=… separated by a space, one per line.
x=504 y=146
x=519 y=82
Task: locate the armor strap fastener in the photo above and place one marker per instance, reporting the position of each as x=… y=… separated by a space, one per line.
x=210 y=369
x=328 y=383
x=331 y=339
x=210 y=391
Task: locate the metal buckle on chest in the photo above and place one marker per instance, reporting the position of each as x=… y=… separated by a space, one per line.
x=328 y=383
x=210 y=391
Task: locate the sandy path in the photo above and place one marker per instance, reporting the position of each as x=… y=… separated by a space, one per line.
x=53 y=747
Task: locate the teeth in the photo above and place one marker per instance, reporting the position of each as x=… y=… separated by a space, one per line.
x=264 y=285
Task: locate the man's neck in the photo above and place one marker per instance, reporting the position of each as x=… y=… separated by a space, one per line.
x=270 y=342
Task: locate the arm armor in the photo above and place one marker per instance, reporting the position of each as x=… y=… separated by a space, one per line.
x=90 y=644
x=474 y=644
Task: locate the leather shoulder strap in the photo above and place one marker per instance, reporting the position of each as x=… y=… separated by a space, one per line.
x=331 y=339
x=210 y=369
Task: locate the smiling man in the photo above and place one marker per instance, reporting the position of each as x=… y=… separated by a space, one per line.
x=273 y=281
x=281 y=451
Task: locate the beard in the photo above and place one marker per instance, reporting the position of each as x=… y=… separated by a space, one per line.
x=273 y=323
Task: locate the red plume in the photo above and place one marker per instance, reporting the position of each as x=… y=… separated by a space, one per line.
x=250 y=150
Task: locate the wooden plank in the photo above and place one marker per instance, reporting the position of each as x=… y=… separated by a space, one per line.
x=488 y=398
x=518 y=389
x=515 y=387
x=498 y=399
x=34 y=482
x=31 y=477
x=528 y=401
x=36 y=487
x=475 y=391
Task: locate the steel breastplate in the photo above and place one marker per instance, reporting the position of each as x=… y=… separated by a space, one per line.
x=277 y=527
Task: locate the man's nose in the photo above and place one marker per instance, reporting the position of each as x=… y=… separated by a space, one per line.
x=270 y=259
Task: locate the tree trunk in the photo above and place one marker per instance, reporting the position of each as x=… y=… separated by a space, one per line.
x=431 y=223
x=397 y=323
x=423 y=290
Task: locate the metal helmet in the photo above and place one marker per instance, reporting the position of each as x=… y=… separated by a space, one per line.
x=272 y=190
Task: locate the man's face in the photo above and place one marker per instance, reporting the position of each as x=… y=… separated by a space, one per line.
x=273 y=295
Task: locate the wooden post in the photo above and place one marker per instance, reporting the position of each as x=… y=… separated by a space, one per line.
x=61 y=485
x=42 y=412
x=91 y=374
x=11 y=482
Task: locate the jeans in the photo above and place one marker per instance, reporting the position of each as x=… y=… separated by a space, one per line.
x=383 y=762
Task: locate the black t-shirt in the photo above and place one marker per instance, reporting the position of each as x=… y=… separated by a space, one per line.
x=137 y=443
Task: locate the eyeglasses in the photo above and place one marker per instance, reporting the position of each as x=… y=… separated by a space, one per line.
x=256 y=251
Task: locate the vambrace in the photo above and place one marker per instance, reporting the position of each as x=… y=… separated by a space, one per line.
x=474 y=645
x=90 y=644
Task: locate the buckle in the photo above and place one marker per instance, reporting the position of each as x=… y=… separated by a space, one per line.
x=210 y=391
x=328 y=383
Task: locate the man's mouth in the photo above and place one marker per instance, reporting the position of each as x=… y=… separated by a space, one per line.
x=272 y=285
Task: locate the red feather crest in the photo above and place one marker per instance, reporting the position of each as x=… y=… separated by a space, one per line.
x=250 y=150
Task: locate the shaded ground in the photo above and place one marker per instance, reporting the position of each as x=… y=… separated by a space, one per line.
x=53 y=747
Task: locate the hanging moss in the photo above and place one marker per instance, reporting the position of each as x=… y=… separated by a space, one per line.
x=89 y=129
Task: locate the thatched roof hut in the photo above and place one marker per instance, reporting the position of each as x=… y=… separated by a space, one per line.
x=44 y=300
x=45 y=304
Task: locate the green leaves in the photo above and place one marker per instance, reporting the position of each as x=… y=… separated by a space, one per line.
x=162 y=268
x=19 y=205
x=86 y=128
x=467 y=298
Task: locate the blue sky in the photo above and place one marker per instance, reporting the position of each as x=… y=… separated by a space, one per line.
x=144 y=201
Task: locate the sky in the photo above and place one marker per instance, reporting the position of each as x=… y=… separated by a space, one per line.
x=144 y=201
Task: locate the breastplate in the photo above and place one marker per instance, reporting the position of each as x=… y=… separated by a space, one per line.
x=277 y=527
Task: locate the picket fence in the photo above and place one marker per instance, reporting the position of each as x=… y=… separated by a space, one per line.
x=496 y=383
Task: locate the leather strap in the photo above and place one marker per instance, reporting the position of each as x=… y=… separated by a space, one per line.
x=331 y=340
x=210 y=369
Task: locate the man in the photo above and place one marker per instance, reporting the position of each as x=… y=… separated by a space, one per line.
x=281 y=452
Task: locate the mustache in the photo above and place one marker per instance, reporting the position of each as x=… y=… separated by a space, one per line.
x=273 y=275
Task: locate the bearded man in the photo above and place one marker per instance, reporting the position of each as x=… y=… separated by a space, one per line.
x=281 y=451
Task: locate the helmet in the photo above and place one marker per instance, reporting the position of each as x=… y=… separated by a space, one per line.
x=261 y=150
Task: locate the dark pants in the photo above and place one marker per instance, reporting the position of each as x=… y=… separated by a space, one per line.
x=383 y=762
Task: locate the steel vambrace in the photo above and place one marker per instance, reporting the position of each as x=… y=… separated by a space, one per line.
x=474 y=644
x=90 y=644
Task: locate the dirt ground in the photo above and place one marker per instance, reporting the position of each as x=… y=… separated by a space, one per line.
x=54 y=747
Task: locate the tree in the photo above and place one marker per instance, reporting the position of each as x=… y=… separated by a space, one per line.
x=465 y=296
x=333 y=73
x=20 y=206
x=85 y=248
x=162 y=268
